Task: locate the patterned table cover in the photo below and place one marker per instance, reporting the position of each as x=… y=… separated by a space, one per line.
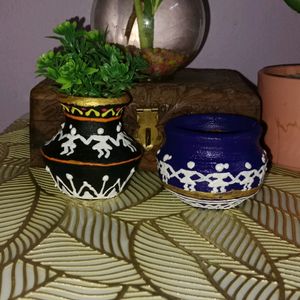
x=143 y=244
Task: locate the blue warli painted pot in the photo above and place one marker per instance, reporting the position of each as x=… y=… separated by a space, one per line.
x=212 y=156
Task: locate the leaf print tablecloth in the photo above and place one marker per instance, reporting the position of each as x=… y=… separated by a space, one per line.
x=143 y=244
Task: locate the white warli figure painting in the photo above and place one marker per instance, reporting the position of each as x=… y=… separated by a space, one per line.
x=102 y=146
x=58 y=135
x=69 y=145
x=189 y=177
x=166 y=170
x=218 y=181
x=123 y=138
x=86 y=190
x=104 y=143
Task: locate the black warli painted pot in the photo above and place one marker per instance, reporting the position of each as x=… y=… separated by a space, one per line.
x=91 y=157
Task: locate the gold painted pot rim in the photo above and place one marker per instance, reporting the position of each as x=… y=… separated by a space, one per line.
x=213 y=196
x=92 y=102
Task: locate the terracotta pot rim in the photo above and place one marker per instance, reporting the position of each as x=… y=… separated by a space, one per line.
x=280 y=71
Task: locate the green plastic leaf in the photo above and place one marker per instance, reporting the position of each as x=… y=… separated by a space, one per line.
x=66 y=84
x=91 y=71
x=47 y=57
x=52 y=73
x=65 y=28
x=86 y=65
x=95 y=35
x=294 y=4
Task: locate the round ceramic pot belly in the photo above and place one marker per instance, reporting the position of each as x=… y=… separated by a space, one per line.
x=212 y=156
x=90 y=182
x=91 y=157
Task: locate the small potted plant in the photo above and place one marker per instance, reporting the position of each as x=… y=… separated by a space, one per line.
x=279 y=88
x=91 y=157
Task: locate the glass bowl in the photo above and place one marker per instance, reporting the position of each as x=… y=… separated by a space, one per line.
x=168 y=38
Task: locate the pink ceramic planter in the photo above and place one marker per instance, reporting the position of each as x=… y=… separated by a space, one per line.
x=281 y=112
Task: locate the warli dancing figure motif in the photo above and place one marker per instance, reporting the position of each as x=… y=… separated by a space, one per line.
x=69 y=145
x=218 y=182
x=102 y=145
x=164 y=168
x=189 y=178
x=125 y=139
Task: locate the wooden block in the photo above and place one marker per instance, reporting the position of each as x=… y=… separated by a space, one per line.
x=45 y=119
x=189 y=91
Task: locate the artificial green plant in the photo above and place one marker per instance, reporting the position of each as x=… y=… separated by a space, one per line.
x=294 y=4
x=145 y=12
x=86 y=65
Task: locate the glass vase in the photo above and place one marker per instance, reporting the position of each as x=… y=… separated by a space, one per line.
x=169 y=34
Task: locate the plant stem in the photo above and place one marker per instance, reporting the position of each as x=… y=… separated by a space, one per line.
x=145 y=25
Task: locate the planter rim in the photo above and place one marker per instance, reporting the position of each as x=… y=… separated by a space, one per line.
x=89 y=101
x=248 y=125
x=281 y=71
